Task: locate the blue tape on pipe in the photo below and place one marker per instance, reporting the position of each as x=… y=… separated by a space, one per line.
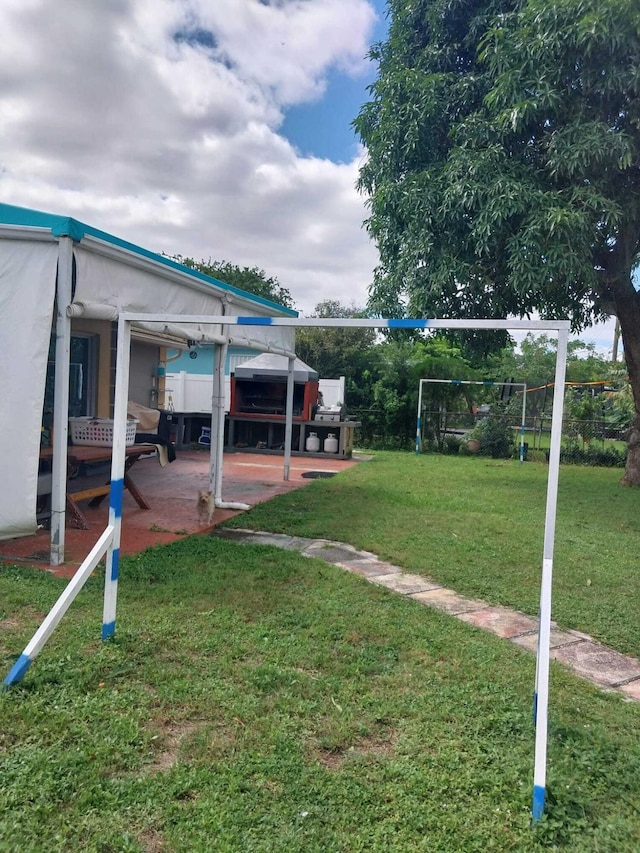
x=117 y=491
x=537 y=810
x=115 y=564
x=108 y=630
x=254 y=321
x=18 y=670
x=407 y=324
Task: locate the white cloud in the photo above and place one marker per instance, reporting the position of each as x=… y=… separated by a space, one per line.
x=158 y=122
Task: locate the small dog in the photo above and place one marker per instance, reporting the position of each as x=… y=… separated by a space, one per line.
x=205 y=507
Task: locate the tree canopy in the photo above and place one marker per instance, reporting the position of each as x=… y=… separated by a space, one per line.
x=252 y=279
x=335 y=352
x=503 y=169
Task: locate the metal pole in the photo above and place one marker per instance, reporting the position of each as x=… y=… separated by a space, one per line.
x=61 y=400
x=524 y=415
x=541 y=698
x=123 y=357
x=219 y=421
x=288 y=428
x=218 y=366
x=418 y=419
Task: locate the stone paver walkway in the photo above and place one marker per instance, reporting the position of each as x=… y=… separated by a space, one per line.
x=603 y=666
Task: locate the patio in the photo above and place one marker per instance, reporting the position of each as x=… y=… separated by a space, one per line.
x=171 y=492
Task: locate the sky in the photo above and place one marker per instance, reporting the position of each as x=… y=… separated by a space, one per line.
x=211 y=129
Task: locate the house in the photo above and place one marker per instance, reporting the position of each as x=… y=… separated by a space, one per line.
x=63 y=285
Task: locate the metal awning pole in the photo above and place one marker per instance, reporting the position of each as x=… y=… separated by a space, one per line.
x=64 y=284
x=288 y=427
x=217 y=421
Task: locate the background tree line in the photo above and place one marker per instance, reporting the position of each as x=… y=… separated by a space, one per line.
x=382 y=374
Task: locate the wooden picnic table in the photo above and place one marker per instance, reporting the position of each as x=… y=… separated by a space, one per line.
x=79 y=454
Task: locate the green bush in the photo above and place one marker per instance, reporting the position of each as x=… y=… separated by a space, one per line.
x=451 y=444
x=495 y=435
x=596 y=456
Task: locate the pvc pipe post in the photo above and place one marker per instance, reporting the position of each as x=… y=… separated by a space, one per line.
x=541 y=697
x=52 y=620
x=123 y=358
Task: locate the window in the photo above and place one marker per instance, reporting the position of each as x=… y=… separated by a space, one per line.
x=82 y=378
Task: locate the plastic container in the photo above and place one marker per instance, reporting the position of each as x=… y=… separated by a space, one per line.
x=98 y=431
x=331 y=443
x=312 y=443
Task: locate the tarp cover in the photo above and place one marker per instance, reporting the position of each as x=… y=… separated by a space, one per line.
x=268 y=364
x=27 y=289
x=103 y=281
x=106 y=281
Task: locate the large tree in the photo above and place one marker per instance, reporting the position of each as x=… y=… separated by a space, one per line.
x=503 y=167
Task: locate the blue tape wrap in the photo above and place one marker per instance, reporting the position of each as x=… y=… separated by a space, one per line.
x=115 y=564
x=407 y=324
x=254 y=321
x=537 y=810
x=115 y=500
x=18 y=669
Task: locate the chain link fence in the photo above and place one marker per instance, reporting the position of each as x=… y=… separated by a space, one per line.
x=585 y=442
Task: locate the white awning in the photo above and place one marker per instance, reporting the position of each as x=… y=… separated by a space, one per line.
x=27 y=290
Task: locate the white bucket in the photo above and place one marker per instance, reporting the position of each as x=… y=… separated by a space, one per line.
x=331 y=443
x=312 y=443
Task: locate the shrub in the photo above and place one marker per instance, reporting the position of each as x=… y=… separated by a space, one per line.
x=495 y=435
x=451 y=444
x=598 y=457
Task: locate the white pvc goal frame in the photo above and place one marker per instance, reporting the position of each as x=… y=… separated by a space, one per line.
x=109 y=541
x=488 y=384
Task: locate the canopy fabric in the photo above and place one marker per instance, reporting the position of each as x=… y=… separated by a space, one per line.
x=107 y=286
x=27 y=290
x=105 y=281
x=110 y=277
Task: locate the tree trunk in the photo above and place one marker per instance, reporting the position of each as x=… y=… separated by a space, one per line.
x=628 y=311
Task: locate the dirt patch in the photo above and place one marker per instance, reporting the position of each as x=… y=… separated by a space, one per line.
x=152 y=842
x=171 y=736
x=169 y=739
x=28 y=615
x=375 y=746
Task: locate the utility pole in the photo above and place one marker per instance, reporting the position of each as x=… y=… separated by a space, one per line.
x=616 y=339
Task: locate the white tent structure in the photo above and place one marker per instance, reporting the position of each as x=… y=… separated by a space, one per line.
x=54 y=269
x=109 y=542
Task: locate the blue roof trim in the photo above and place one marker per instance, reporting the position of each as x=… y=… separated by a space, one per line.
x=65 y=226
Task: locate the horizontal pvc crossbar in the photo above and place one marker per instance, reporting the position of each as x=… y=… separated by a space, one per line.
x=340 y=322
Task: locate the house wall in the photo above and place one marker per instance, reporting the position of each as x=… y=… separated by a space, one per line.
x=143 y=383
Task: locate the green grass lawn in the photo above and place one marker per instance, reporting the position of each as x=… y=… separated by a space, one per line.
x=476 y=525
x=255 y=700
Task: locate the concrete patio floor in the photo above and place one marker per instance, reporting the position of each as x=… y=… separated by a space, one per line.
x=171 y=491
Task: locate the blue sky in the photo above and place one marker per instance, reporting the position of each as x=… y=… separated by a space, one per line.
x=322 y=128
x=211 y=129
